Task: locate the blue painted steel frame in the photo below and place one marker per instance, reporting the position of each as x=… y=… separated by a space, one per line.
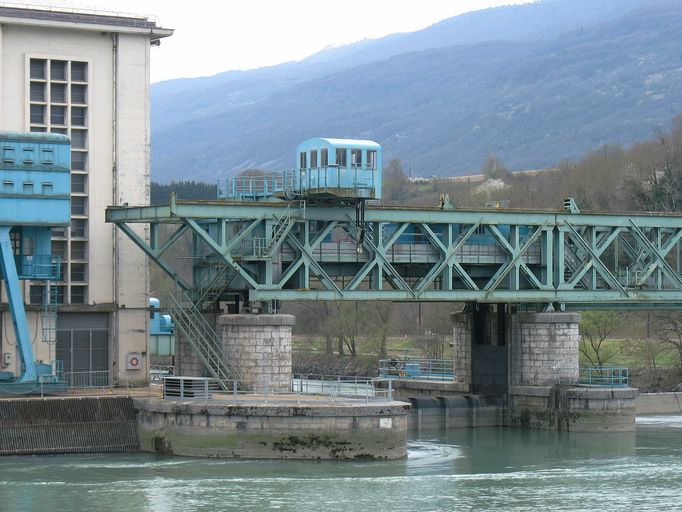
x=537 y=257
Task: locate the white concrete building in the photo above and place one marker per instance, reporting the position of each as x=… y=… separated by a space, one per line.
x=87 y=75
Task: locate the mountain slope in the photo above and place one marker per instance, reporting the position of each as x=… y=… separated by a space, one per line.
x=532 y=101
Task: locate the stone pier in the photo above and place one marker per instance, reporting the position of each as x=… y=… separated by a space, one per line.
x=259 y=347
x=537 y=356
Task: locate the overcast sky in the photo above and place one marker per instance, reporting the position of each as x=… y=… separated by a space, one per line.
x=222 y=35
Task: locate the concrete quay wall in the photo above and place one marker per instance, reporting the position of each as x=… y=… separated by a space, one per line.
x=659 y=403
x=576 y=409
x=259 y=431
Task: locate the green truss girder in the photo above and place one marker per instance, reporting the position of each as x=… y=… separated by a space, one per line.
x=426 y=254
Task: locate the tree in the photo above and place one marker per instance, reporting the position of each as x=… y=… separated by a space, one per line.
x=670 y=331
x=394 y=183
x=493 y=168
x=596 y=327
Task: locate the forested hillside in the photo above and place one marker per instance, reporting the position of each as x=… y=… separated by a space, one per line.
x=594 y=73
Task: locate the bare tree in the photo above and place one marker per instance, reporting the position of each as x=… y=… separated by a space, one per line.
x=596 y=327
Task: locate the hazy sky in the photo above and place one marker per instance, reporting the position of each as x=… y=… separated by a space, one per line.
x=215 y=36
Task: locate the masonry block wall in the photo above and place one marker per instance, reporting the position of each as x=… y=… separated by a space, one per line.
x=461 y=334
x=545 y=348
x=259 y=347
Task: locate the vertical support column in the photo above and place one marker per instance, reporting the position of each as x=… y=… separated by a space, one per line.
x=259 y=348
x=545 y=351
x=16 y=307
x=461 y=334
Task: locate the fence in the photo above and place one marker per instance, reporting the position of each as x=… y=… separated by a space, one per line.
x=94 y=379
x=605 y=376
x=334 y=387
x=417 y=369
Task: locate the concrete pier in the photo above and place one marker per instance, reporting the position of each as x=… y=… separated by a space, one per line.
x=346 y=430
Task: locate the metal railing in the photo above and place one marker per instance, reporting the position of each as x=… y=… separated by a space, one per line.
x=158 y=371
x=315 y=387
x=93 y=379
x=417 y=369
x=606 y=376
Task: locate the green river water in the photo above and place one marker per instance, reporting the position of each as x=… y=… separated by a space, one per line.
x=467 y=470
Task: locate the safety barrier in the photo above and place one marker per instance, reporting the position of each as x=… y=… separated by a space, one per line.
x=417 y=369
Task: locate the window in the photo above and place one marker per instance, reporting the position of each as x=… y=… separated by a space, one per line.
x=78 y=116
x=302 y=160
x=58 y=93
x=38 y=129
x=59 y=231
x=37 y=114
x=78 y=182
x=78 y=139
x=27 y=188
x=58 y=70
x=79 y=71
x=37 y=91
x=78 y=205
x=58 y=130
x=324 y=157
x=78 y=295
x=79 y=161
x=372 y=159
x=8 y=186
x=78 y=272
x=36 y=294
x=78 y=228
x=37 y=69
x=356 y=157
x=78 y=93
x=57 y=115
x=78 y=250
x=341 y=159
x=47 y=189
x=58 y=248
x=313 y=159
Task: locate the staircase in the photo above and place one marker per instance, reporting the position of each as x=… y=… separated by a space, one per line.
x=294 y=210
x=202 y=338
x=214 y=280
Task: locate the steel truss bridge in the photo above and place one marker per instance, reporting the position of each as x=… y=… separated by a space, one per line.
x=299 y=251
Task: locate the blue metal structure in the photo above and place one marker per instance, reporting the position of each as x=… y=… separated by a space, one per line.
x=326 y=170
x=35 y=190
x=161 y=331
x=544 y=259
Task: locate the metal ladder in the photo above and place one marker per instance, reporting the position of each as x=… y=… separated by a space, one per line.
x=48 y=315
x=202 y=338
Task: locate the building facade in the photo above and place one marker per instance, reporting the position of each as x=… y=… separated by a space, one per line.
x=86 y=75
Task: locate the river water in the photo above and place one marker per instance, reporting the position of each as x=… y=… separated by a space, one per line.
x=467 y=470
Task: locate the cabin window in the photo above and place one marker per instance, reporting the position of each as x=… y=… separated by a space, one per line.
x=372 y=159
x=28 y=155
x=47 y=156
x=8 y=155
x=324 y=157
x=303 y=161
x=313 y=159
x=341 y=159
x=356 y=157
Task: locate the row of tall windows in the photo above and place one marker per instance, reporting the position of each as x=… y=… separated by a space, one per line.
x=58 y=103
